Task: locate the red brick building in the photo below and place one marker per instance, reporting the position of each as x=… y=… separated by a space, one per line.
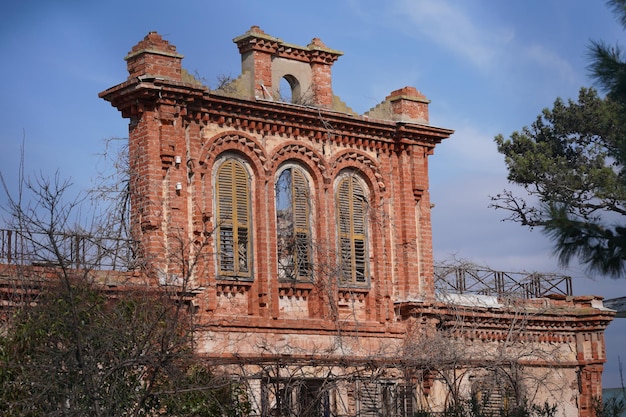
x=304 y=230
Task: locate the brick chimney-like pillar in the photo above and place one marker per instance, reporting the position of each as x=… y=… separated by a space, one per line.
x=322 y=60
x=154 y=56
x=152 y=128
x=266 y=59
x=257 y=48
x=409 y=105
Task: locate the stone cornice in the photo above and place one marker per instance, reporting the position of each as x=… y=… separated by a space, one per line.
x=263 y=325
x=195 y=102
x=257 y=40
x=492 y=323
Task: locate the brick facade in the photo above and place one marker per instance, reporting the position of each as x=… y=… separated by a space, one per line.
x=181 y=132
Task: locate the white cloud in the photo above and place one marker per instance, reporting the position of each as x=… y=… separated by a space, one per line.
x=450 y=26
x=553 y=62
x=493 y=48
x=469 y=150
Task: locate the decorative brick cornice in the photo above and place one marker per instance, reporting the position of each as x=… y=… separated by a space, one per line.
x=194 y=102
x=302 y=152
x=231 y=288
x=295 y=291
x=256 y=39
x=547 y=325
x=360 y=159
x=226 y=141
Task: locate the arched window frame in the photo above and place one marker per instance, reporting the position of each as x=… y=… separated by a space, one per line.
x=294 y=205
x=351 y=211
x=233 y=208
x=290 y=89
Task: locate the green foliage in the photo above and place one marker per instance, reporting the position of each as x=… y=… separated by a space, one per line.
x=203 y=394
x=569 y=152
x=613 y=407
x=570 y=162
x=608 y=65
x=80 y=351
x=75 y=347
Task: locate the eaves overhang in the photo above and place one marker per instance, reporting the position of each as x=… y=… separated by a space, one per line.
x=196 y=101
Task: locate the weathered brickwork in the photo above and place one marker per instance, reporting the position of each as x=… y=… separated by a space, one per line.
x=181 y=133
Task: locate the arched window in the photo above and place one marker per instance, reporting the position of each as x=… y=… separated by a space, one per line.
x=286 y=92
x=293 y=203
x=232 y=196
x=351 y=208
x=290 y=90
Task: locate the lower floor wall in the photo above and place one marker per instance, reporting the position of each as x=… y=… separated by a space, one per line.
x=277 y=388
x=544 y=352
x=428 y=356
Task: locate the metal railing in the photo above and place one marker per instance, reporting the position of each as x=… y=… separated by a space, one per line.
x=103 y=253
x=71 y=250
x=470 y=279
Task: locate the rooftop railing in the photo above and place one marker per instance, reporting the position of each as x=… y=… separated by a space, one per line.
x=86 y=251
x=471 y=279
x=73 y=250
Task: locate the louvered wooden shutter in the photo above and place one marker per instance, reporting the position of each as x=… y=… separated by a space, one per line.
x=233 y=213
x=302 y=229
x=358 y=231
x=369 y=398
x=345 y=228
x=351 y=212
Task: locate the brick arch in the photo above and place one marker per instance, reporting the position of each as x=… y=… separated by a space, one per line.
x=239 y=142
x=363 y=163
x=312 y=160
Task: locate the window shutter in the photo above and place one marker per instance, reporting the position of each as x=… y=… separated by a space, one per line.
x=358 y=232
x=369 y=401
x=385 y=399
x=293 y=225
x=302 y=229
x=242 y=204
x=300 y=195
x=343 y=202
x=233 y=213
x=351 y=212
x=225 y=193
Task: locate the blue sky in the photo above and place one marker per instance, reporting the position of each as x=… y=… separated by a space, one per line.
x=488 y=67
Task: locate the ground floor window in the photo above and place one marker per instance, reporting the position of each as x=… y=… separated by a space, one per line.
x=493 y=393
x=297 y=397
x=317 y=397
x=385 y=399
